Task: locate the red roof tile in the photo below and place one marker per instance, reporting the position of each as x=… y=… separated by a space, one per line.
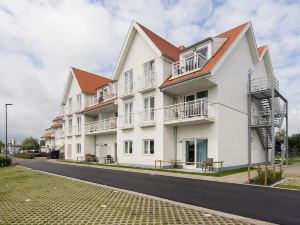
x=98 y=105
x=167 y=49
x=231 y=36
x=261 y=49
x=89 y=82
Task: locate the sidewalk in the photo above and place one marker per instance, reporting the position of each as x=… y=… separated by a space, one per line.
x=239 y=178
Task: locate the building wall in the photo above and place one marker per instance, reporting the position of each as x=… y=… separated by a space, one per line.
x=140 y=53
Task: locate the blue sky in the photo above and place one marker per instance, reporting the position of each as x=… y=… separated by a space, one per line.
x=40 y=40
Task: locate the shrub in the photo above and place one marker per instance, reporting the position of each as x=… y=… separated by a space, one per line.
x=5 y=161
x=25 y=156
x=272 y=176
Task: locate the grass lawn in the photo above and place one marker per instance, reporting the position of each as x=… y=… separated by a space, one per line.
x=29 y=197
x=216 y=174
x=291 y=181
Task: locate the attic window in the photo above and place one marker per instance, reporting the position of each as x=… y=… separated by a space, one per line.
x=203 y=51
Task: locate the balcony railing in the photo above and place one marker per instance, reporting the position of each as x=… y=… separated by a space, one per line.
x=263 y=84
x=106 y=96
x=186 y=110
x=126 y=89
x=101 y=125
x=76 y=129
x=126 y=121
x=73 y=108
x=147 y=81
x=189 y=64
x=147 y=117
x=69 y=131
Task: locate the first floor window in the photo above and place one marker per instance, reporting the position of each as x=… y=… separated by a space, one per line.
x=128 y=147
x=78 y=148
x=148 y=146
x=128 y=113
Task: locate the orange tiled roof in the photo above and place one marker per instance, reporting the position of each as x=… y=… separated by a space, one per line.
x=48 y=134
x=231 y=36
x=98 y=105
x=167 y=49
x=89 y=82
x=57 y=118
x=261 y=49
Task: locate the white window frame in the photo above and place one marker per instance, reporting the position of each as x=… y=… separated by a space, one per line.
x=78 y=101
x=148 y=150
x=127 y=151
x=148 y=109
x=70 y=124
x=128 y=81
x=78 y=121
x=128 y=115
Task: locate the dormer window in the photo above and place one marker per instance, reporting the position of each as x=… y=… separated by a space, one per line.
x=203 y=52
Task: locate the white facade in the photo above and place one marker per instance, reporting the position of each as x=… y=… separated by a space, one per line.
x=137 y=120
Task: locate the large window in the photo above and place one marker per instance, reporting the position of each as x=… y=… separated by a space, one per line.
x=148 y=147
x=149 y=109
x=128 y=81
x=70 y=105
x=128 y=113
x=70 y=126
x=78 y=101
x=78 y=148
x=128 y=147
x=78 y=124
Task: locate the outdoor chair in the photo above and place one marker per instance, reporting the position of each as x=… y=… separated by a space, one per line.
x=209 y=163
x=109 y=159
x=90 y=158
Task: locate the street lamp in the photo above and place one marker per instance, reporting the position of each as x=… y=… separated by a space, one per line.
x=6 y=128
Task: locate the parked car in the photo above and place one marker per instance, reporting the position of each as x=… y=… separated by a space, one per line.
x=53 y=154
x=35 y=152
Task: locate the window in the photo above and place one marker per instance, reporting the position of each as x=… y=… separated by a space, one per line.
x=70 y=126
x=149 y=66
x=128 y=113
x=148 y=146
x=149 y=77
x=127 y=147
x=149 y=109
x=78 y=124
x=202 y=52
x=78 y=101
x=128 y=77
x=70 y=105
x=78 y=148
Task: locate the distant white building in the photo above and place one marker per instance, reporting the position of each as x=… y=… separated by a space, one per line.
x=177 y=103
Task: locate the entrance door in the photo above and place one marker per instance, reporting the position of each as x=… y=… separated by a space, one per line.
x=190 y=152
x=201 y=149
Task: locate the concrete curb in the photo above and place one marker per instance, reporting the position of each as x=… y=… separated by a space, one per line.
x=206 y=210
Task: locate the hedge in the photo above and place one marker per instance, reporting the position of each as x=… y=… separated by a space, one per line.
x=5 y=161
x=25 y=156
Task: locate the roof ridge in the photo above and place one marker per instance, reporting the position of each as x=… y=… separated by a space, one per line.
x=93 y=74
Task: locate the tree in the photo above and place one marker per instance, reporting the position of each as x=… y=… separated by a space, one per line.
x=2 y=145
x=30 y=144
x=294 y=143
x=280 y=135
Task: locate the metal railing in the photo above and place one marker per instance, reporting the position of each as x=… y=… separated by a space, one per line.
x=126 y=120
x=189 y=64
x=147 y=80
x=263 y=83
x=126 y=88
x=101 y=125
x=73 y=108
x=260 y=121
x=147 y=116
x=106 y=96
x=196 y=108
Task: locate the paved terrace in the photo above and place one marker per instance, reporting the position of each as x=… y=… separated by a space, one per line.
x=267 y=204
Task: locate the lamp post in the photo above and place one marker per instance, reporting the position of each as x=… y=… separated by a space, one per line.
x=6 y=128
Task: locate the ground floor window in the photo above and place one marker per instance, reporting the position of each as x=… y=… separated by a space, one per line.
x=78 y=148
x=127 y=147
x=148 y=146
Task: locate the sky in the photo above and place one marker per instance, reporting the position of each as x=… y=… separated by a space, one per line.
x=41 y=40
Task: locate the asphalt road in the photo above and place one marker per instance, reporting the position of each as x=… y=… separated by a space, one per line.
x=267 y=204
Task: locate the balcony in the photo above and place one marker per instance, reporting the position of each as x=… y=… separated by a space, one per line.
x=73 y=108
x=147 y=118
x=76 y=130
x=106 y=96
x=197 y=111
x=262 y=86
x=101 y=126
x=126 y=121
x=188 y=65
x=126 y=89
x=147 y=82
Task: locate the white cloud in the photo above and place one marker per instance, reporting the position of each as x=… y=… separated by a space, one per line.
x=40 y=40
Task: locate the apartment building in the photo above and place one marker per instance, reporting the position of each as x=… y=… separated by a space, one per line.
x=54 y=136
x=217 y=99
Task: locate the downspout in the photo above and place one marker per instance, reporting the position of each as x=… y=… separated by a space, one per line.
x=249 y=124
x=175 y=143
x=287 y=135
